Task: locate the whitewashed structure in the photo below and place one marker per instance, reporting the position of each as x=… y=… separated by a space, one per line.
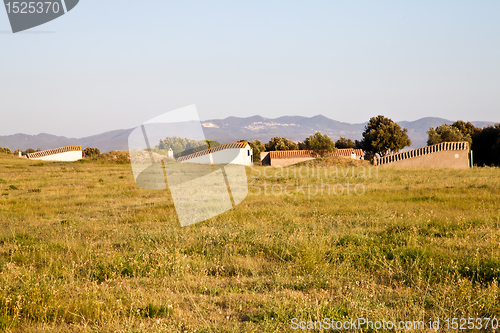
x=63 y=154
x=230 y=153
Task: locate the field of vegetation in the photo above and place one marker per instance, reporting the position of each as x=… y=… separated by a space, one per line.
x=83 y=249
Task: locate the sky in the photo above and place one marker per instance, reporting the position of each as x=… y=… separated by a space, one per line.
x=112 y=64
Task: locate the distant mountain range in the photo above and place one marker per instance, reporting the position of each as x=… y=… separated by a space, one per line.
x=295 y=128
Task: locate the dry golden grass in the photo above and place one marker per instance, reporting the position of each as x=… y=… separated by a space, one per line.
x=83 y=249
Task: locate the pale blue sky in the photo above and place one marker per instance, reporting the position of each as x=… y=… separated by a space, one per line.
x=115 y=64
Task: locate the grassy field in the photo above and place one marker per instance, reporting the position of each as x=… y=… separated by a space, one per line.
x=83 y=249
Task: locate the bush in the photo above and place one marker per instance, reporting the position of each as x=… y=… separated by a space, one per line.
x=466 y=128
x=446 y=133
x=343 y=143
x=91 y=152
x=320 y=144
x=279 y=143
x=5 y=150
x=183 y=146
x=212 y=143
x=115 y=157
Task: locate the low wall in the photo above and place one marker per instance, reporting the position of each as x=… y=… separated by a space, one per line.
x=447 y=159
x=226 y=156
x=283 y=162
x=283 y=158
x=69 y=156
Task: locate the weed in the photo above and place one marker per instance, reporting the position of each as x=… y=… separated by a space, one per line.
x=154 y=311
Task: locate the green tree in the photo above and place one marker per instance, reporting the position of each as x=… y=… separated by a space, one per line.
x=29 y=151
x=302 y=146
x=383 y=136
x=446 y=133
x=182 y=146
x=466 y=128
x=5 y=150
x=212 y=143
x=257 y=148
x=91 y=152
x=343 y=143
x=320 y=144
x=279 y=143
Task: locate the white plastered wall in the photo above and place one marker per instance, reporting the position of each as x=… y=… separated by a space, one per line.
x=69 y=156
x=227 y=156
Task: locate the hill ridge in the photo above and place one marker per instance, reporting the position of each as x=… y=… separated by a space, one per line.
x=234 y=128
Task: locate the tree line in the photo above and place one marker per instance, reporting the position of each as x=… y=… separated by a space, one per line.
x=381 y=136
x=484 y=142
x=320 y=144
x=16 y=152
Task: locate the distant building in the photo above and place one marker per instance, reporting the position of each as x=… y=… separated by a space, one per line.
x=290 y=157
x=229 y=153
x=63 y=154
